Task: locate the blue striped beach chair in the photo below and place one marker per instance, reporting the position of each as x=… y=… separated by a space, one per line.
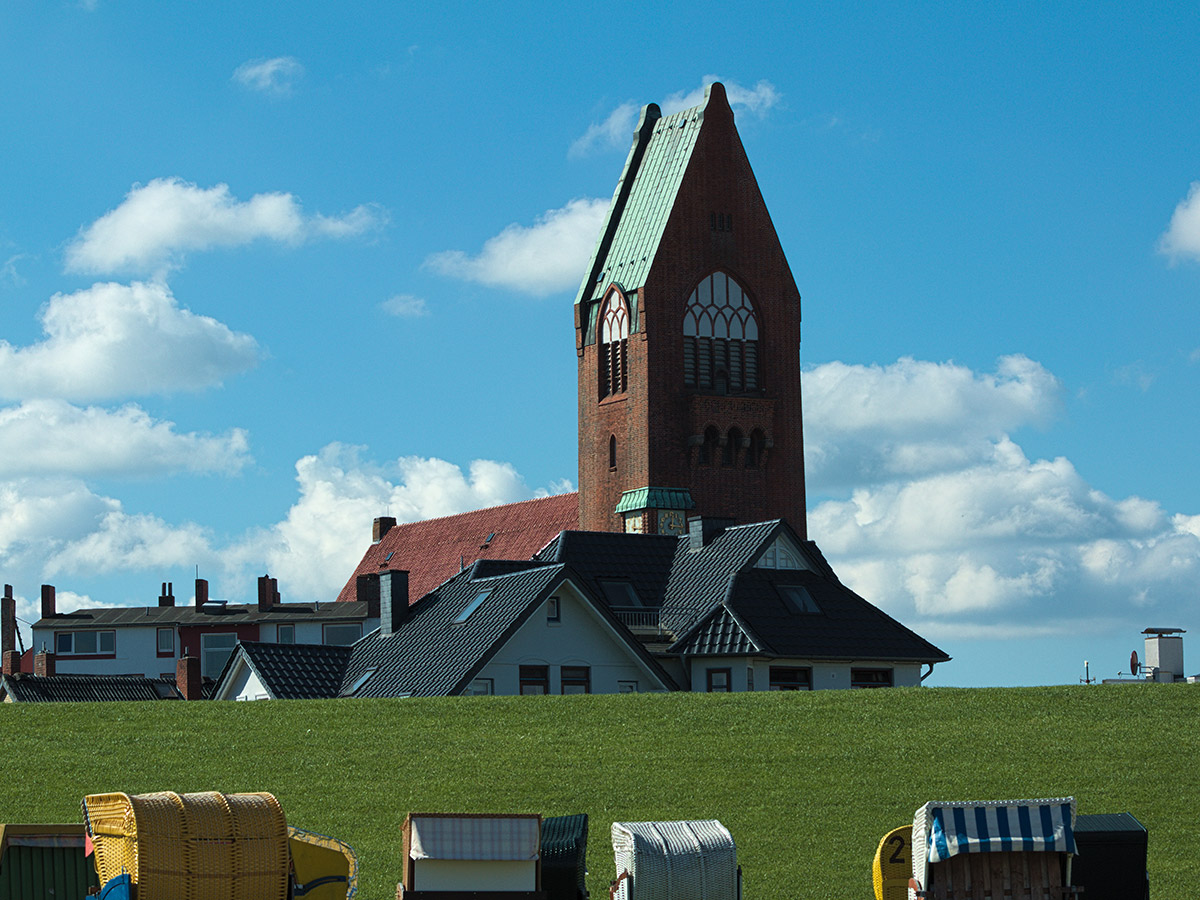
x=1001 y=850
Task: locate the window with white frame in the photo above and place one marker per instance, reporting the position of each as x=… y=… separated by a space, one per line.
x=553 y=611
x=215 y=650
x=85 y=643
x=614 y=345
x=285 y=634
x=781 y=555
x=166 y=642
x=627 y=687
x=480 y=687
x=720 y=337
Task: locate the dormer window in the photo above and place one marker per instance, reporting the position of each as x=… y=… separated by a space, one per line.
x=781 y=555
x=614 y=344
x=720 y=337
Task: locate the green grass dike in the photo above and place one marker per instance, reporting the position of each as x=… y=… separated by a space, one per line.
x=806 y=782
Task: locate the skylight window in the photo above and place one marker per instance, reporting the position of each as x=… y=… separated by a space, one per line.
x=360 y=681
x=798 y=599
x=472 y=606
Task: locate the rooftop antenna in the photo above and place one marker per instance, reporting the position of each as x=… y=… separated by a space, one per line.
x=1086 y=679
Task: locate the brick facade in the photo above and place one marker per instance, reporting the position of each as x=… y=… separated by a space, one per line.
x=659 y=421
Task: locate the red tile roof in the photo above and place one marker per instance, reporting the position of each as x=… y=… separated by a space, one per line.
x=435 y=549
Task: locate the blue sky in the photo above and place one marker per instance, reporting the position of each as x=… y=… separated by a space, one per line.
x=270 y=270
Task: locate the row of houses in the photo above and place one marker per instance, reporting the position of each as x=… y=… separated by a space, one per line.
x=724 y=607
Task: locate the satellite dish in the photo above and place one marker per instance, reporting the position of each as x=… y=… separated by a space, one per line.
x=1133 y=663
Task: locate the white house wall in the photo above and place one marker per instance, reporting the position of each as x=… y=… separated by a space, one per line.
x=136 y=653
x=581 y=637
x=825 y=675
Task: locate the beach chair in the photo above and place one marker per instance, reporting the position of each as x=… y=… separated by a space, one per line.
x=689 y=860
x=489 y=857
x=41 y=862
x=322 y=868
x=204 y=846
x=1005 y=850
x=564 y=857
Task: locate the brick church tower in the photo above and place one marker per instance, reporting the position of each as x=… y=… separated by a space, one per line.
x=687 y=330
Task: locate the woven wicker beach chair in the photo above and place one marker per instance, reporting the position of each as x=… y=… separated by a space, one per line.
x=1004 y=850
x=205 y=846
x=690 y=860
x=564 y=857
x=448 y=856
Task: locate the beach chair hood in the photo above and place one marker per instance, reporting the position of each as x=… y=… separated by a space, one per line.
x=666 y=860
x=945 y=829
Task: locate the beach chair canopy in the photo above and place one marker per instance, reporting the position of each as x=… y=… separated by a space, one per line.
x=474 y=837
x=945 y=829
x=690 y=860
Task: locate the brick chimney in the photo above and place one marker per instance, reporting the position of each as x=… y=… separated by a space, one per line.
x=366 y=589
x=187 y=678
x=201 y=592
x=43 y=663
x=393 y=600
x=382 y=526
x=167 y=597
x=8 y=621
x=268 y=592
x=48 y=610
x=11 y=663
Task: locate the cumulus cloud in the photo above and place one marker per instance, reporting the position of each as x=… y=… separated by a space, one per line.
x=275 y=76
x=158 y=223
x=864 y=424
x=951 y=527
x=757 y=100
x=314 y=549
x=616 y=131
x=1182 y=238
x=405 y=306
x=44 y=437
x=538 y=259
x=119 y=340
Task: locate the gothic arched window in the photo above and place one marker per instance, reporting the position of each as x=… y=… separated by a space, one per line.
x=710 y=447
x=612 y=451
x=754 y=452
x=614 y=344
x=733 y=444
x=720 y=337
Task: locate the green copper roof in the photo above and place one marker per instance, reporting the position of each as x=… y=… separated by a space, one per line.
x=655 y=498
x=645 y=195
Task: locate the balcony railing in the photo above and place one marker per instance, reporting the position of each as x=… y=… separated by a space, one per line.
x=641 y=620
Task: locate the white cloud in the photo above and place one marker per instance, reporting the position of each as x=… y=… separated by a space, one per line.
x=758 y=99
x=955 y=531
x=158 y=223
x=864 y=424
x=51 y=437
x=405 y=306
x=540 y=259
x=1182 y=237
x=316 y=547
x=614 y=131
x=275 y=76
x=114 y=340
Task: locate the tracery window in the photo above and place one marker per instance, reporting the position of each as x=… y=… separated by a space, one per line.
x=614 y=345
x=720 y=337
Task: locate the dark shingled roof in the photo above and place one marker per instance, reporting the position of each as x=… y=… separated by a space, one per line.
x=430 y=655
x=436 y=549
x=643 y=560
x=28 y=688
x=295 y=671
x=209 y=614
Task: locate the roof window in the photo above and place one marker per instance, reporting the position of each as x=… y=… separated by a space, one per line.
x=798 y=599
x=472 y=606
x=360 y=681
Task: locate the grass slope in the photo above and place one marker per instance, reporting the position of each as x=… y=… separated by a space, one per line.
x=806 y=782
